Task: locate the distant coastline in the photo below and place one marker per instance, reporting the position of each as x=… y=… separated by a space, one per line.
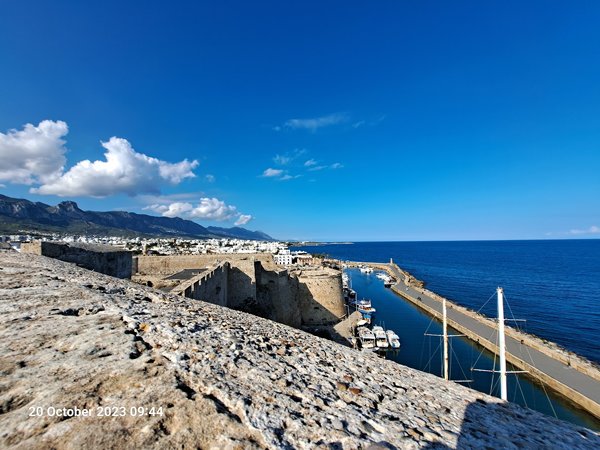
x=316 y=244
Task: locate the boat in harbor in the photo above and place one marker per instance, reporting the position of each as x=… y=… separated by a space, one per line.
x=380 y=337
x=366 y=269
x=393 y=339
x=388 y=281
x=364 y=306
x=366 y=337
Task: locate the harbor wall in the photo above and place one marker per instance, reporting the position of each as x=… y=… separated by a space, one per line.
x=548 y=348
x=589 y=405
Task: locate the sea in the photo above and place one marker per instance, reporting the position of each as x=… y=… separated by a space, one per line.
x=551 y=286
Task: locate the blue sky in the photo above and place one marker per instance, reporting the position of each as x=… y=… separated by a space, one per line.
x=389 y=120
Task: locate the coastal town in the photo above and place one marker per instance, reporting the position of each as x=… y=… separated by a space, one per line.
x=169 y=246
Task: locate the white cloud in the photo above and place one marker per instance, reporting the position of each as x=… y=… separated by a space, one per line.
x=157 y=208
x=213 y=209
x=272 y=172
x=177 y=209
x=206 y=209
x=289 y=177
x=310 y=162
x=125 y=171
x=168 y=198
x=318 y=122
x=313 y=168
x=282 y=159
x=33 y=154
x=209 y=178
x=591 y=230
x=288 y=157
x=370 y=123
x=243 y=219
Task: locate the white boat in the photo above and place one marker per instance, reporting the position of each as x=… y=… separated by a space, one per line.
x=367 y=338
x=366 y=269
x=362 y=322
x=380 y=337
x=364 y=305
x=387 y=279
x=393 y=339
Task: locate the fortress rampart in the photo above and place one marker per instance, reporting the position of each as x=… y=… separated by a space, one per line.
x=309 y=297
x=100 y=258
x=76 y=339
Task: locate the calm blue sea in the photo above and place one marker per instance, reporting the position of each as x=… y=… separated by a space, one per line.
x=553 y=284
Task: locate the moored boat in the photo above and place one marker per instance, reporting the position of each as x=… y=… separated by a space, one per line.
x=393 y=339
x=367 y=338
x=380 y=337
x=364 y=306
x=366 y=269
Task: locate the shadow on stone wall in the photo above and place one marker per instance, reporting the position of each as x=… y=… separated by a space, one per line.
x=317 y=319
x=242 y=293
x=272 y=294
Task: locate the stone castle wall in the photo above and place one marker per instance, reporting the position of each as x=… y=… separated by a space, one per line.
x=307 y=297
x=319 y=293
x=278 y=292
x=167 y=265
x=99 y=258
x=211 y=284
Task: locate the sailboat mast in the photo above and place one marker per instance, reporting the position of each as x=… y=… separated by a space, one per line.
x=445 y=331
x=501 y=343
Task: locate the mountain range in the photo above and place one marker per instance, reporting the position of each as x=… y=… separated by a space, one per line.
x=20 y=215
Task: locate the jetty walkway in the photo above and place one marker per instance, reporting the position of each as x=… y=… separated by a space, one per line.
x=579 y=384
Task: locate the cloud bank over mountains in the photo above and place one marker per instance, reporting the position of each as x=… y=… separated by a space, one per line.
x=124 y=171
x=207 y=209
x=35 y=156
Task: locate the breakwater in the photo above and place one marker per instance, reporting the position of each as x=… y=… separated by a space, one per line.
x=564 y=372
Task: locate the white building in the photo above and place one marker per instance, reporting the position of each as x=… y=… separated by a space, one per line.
x=283 y=257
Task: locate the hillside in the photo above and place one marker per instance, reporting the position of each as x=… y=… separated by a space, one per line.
x=18 y=215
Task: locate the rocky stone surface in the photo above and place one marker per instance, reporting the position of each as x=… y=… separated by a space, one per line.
x=72 y=338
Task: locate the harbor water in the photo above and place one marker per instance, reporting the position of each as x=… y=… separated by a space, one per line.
x=470 y=280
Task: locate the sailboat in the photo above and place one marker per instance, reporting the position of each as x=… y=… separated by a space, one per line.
x=501 y=348
x=445 y=336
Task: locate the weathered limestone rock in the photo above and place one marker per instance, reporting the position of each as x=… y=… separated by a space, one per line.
x=72 y=338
